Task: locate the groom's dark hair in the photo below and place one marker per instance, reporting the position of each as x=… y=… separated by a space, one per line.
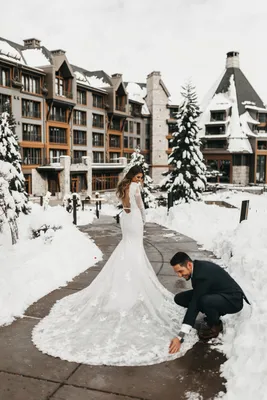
x=180 y=258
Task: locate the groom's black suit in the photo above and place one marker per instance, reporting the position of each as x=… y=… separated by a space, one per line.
x=214 y=293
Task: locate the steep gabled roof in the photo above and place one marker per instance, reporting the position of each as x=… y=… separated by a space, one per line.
x=244 y=90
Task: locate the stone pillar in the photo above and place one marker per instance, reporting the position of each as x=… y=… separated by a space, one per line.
x=240 y=175
x=39 y=183
x=87 y=160
x=64 y=176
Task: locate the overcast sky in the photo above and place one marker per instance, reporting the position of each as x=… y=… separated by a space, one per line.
x=181 y=38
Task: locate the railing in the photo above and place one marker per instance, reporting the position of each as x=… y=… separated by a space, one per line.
x=98 y=160
x=32 y=160
x=98 y=124
x=81 y=141
x=32 y=137
x=64 y=93
x=59 y=118
x=77 y=160
x=31 y=114
x=51 y=160
x=98 y=143
x=104 y=182
x=56 y=139
x=115 y=145
x=97 y=105
x=77 y=121
x=120 y=108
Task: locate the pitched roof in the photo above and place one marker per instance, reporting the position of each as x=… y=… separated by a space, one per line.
x=244 y=90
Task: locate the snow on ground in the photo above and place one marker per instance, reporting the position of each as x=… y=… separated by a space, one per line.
x=242 y=247
x=34 y=267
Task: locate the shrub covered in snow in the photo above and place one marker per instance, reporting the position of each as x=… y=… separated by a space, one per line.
x=186 y=178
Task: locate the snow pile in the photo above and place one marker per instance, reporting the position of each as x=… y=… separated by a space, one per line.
x=92 y=81
x=34 y=267
x=35 y=57
x=242 y=247
x=138 y=93
x=9 y=52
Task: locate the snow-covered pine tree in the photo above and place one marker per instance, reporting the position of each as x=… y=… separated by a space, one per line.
x=9 y=152
x=186 y=179
x=138 y=159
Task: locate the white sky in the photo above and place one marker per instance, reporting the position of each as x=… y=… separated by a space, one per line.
x=181 y=38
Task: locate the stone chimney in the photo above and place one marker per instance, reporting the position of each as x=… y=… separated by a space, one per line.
x=232 y=59
x=32 y=43
x=154 y=73
x=117 y=75
x=58 y=52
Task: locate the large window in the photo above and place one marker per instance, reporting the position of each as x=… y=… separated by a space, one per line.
x=58 y=114
x=125 y=142
x=215 y=129
x=147 y=144
x=217 y=115
x=5 y=103
x=215 y=144
x=148 y=129
x=55 y=155
x=131 y=143
x=79 y=118
x=31 y=83
x=81 y=97
x=126 y=126
x=79 y=137
x=98 y=139
x=261 y=169
x=31 y=133
x=31 y=156
x=138 y=128
x=57 y=135
x=98 y=121
x=114 y=141
x=31 y=109
x=115 y=124
x=61 y=87
x=4 y=76
x=98 y=101
x=77 y=156
x=98 y=156
x=131 y=126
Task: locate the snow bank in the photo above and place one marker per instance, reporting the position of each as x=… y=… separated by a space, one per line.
x=242 y=247
x=34 y=267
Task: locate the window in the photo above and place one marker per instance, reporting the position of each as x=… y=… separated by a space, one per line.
x=81 y=97
x=125 y=142
x=138 y=142
x=98 y=101
x=79 y=137
x=115 y=124
x=114 y=141
x=138 y=128
x=215 y=129
x=170 y=143
x=172 y=128
x=131 y=143
x=55 y=155
x=217 y=116
x=5 y=103
x=31 y=156
x=135 y=110
x=31 y=109
x=79 y=117
x=57 y=135
x=131 y=126
x=147 y=144
x=58 y=114
x=126 y=126
x=31 y=133
x=261 y=169
x=28 y=183
x=98 y=121
x=31 y=83
x=77 y=156
x=127 y=155
x=98 y=157
x=173 y=113
x=215 y=144
x=61 y=87
x=148 y=126
x=113 y=157
x=240 y=159
x=262 y=145
x=120 y=103
x=262 y=118
x=98 y=139
x=4 y=76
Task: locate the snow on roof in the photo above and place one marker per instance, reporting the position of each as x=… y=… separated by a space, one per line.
x=92 y=81
x=10 y=53
x=138 y=93
x=35 y=57
x=260 y=109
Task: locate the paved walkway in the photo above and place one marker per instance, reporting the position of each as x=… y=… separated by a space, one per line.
x=27 y=374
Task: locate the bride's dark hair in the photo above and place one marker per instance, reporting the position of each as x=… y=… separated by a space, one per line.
x=125 y=182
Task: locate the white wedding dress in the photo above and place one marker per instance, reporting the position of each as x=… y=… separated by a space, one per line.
x=124 y=317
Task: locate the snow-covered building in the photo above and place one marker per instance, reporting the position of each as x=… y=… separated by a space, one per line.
x=234 y=128
x=77 y=128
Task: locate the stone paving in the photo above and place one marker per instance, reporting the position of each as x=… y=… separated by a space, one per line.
x=27 y=374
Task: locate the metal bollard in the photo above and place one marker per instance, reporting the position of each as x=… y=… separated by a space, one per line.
x=170 y=200
x=74 y=201
x=96 y=210
x=244 y=210
x=41 y=201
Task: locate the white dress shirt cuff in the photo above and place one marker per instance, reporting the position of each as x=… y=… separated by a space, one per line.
x=186 y=328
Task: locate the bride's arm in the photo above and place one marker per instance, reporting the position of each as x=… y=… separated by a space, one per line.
x=139 y=202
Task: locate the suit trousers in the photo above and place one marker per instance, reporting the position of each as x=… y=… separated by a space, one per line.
x=213 y=305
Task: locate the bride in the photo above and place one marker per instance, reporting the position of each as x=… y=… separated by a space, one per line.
x=125 y=316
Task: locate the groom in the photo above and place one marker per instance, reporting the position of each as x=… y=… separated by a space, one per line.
x=215 y=293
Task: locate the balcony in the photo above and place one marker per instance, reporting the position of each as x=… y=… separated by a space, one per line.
x=31 y=114
x=58 y=118
x=64 y=93
x=32 y=137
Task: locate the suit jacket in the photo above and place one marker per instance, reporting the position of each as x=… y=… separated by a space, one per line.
x=210 y=278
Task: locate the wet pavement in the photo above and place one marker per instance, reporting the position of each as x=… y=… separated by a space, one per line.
x=27 y=374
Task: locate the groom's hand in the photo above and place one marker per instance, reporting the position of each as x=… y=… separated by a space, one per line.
x=174 y=346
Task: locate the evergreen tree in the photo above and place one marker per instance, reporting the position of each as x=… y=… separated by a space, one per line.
x=186 y=179
x=9 y=152
x=138 y=159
